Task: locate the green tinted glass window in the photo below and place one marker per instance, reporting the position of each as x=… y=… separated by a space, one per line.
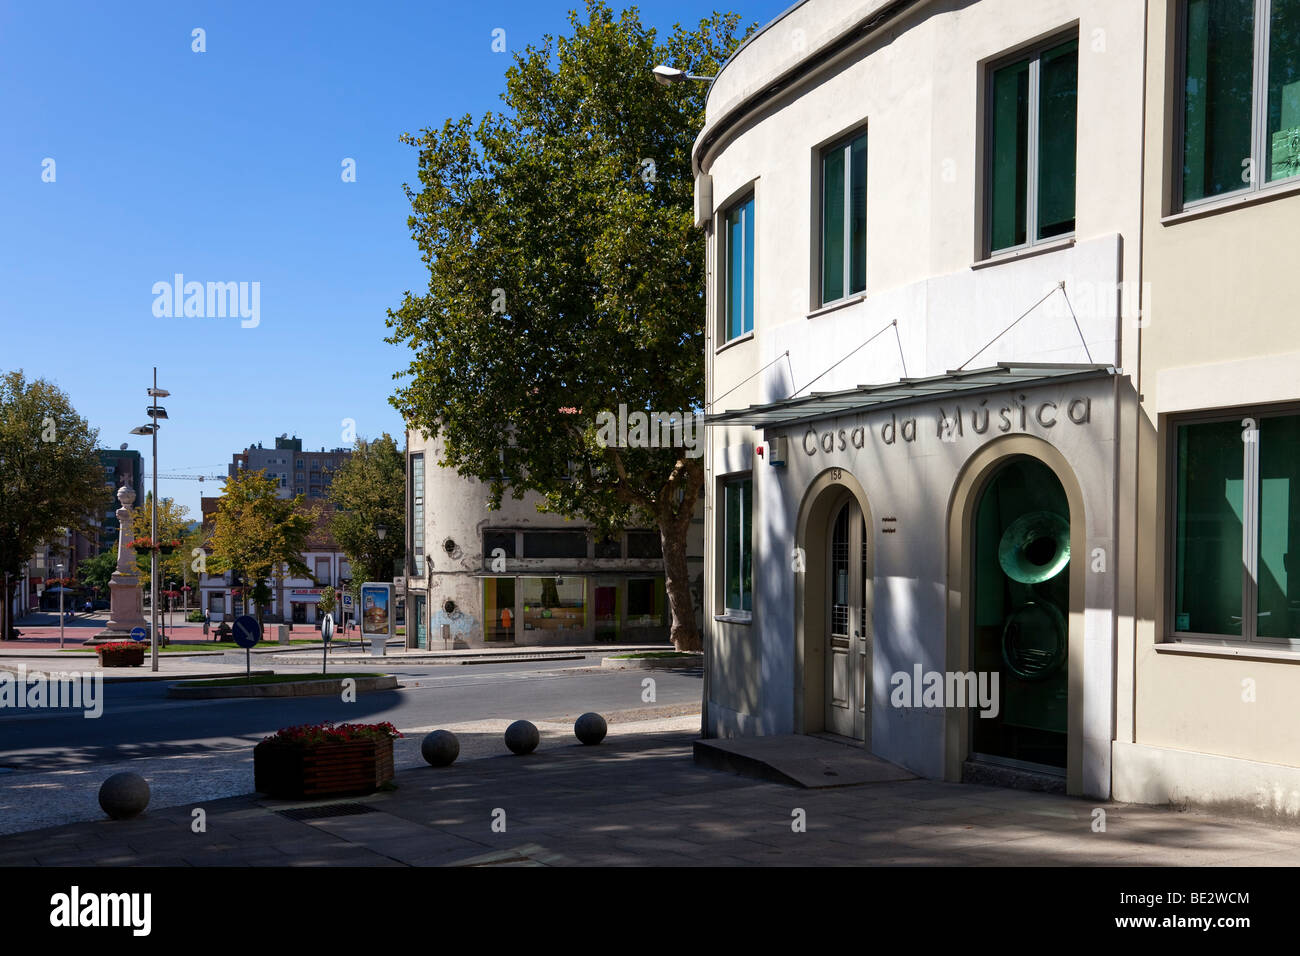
x=844 y=219
x=1009 y=186
x=1283 y=134
x=740 y=269
x=1217 y=97
x=1278 y=565
x=1057 y=137
x=1208 y=533
x=737 y=557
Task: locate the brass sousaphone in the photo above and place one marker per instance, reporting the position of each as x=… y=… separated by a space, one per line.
x=1035 y=548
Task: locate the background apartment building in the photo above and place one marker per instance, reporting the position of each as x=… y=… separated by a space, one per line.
x=295 y=471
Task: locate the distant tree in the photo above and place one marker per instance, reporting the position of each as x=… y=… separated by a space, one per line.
x=367 y=491
x=566 y=278
x=97 y=572
x=50 y=474
x=327 y=600
x=255 y=533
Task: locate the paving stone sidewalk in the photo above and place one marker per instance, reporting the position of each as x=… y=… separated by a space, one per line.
x=641 y=801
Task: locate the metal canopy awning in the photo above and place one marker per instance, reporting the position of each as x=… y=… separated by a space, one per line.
x=870 y=398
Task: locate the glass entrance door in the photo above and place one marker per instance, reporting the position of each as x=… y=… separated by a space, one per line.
x=1021 y=557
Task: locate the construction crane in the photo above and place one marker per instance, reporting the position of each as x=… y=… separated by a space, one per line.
x=194 y=477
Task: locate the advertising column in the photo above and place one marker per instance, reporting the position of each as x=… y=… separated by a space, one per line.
x=377 y=621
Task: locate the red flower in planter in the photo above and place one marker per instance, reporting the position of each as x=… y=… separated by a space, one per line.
x=335 y=733
x=117 y=646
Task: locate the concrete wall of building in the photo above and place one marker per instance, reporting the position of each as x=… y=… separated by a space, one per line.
x=916 y=88
x=1219 y=331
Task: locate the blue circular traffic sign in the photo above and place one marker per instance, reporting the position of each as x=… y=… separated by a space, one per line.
x=138 y=634
x=246 y=631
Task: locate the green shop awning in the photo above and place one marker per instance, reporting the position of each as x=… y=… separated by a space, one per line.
x=870 y=398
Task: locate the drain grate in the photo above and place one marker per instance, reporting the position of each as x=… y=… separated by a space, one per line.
x=327 y=811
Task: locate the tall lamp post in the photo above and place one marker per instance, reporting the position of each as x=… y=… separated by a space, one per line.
x=59 y=569
x=155 y=412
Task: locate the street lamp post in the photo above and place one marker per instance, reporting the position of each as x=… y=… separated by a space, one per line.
x=155 y=412
x=59 y=568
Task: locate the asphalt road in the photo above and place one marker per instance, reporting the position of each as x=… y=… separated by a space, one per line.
x=139 y=721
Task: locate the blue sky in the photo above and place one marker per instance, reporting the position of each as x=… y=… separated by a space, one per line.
x=225 y=166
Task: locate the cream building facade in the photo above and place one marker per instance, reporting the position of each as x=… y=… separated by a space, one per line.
x=925 y=224
x=1208 y=690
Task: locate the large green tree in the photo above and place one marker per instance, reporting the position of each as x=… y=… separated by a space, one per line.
x=566 y=278
x=368 y=491
x=256 y=533
x=50 y=474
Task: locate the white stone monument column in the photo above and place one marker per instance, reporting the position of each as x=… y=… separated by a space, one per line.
x=126 y=603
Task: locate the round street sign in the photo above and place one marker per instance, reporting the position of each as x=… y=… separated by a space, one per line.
x=138 y=634
x=327 y=628
x=246 y=631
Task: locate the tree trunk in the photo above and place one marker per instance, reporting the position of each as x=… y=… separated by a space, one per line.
x=674 y=529
x=5 y=623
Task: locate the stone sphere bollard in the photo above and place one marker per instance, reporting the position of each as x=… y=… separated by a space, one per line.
x=124 y=795
x=590 y=728
x=440 y=748
x=522 y=737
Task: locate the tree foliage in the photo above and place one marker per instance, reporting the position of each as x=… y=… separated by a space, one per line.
x=173 y=525
x=566 y=277
x=50 y=474
x=256 y=533
x=367 y=491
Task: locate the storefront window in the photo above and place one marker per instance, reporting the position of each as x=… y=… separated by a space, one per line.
x=556 y=606
x=605 y=604
x=498 y=609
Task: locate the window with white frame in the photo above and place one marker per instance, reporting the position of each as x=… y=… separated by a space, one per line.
x=1235 y=535
x=844 y=218
x=1239 y=82
x=738 y=257
x=1032 y=145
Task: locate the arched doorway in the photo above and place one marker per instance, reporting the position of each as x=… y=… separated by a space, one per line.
x=1020 y=557
x=833 y=568
x=1017 y=572
x=847 y=627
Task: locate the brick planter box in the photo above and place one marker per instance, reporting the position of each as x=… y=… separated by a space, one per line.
x=294 y=770
x=128 y=657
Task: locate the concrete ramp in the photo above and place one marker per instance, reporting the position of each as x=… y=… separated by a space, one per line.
x=798 y=760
